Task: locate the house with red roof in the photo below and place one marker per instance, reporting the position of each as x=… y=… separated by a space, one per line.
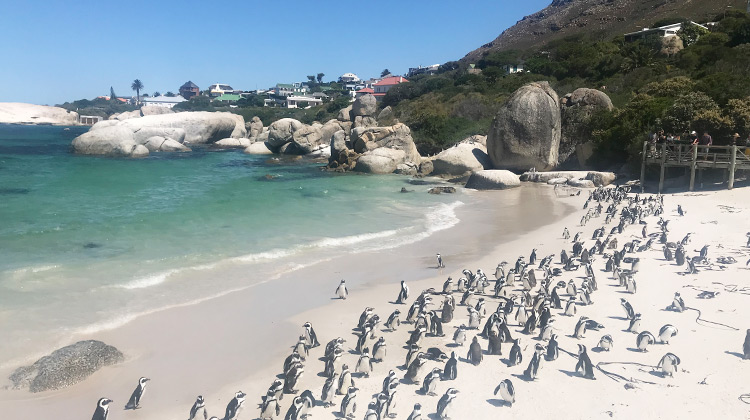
x=382 y=87
x=364 y=91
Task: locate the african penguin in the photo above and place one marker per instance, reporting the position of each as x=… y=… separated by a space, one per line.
x=135 y=398
x=507 y=392
x=102 y=409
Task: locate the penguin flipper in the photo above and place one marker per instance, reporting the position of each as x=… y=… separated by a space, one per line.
x=497 y=389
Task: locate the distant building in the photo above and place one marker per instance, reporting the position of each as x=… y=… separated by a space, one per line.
x=382 y=87
x=289 y=89
x=662 y=31
x=295 y=101
x=219 y=89
x=162 y=101
x=349 y=78
x=189 y=89
x=364 y=91
x=513 y=68
x=473 y=69
x=89 y=119
x=229 y=98
x=413 y=71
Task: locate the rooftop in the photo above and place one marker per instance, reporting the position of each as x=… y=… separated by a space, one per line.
x=392 y=80
x=165 y=99
x=189 y=85
x=228 y=97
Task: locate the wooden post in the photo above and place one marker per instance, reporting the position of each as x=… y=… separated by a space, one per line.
x=643 y=167
x=663 y=161
x=692 y=167
x=732 y=163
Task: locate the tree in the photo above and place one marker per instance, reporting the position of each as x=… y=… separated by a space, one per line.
x=311 y=79
x=385 y=72
x=320 y=77
x=157 y=93
x=170 y=94
x=137 y=85
x=112 y=95
x=689 y=33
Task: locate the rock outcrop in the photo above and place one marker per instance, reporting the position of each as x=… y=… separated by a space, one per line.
x=461 y=159
x=230 y=143
x=380 y=161
x=164 y=144
x=364 y=106
x=20 y=113
x=128 y=137
x=66 y=366
x=254 y=127
x=282 y=131
x=577 y=109
x=258 y=148
x=598 y=179
x=526 y=131
x=493 y=179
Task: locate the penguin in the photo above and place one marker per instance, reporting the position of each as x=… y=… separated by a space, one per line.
x=521 y=314
x=436 y=325
x=450 y=371
x=494 y=345
x=294 y=410
x=308 y=402
x=135 y=399
x=430 y=382
x=364 y=317
x=552 y=348
x=234 y=406
x=666 y=333
x=677 y=303
x=291 y=378
x=580 y=328
x=349 y=404
x=530 y=325
x=474 y=319
x=345 y=380
x=444 y=408
x=276 y=389
x=403 y=294
x=668 y=364
x=532 y=370
x=630 y=285
x=644 y=340
x=301 y=348
x=416 y=368
x=566 y=233
x=342 y=291
x=532 y=257
x=372 y=411
x=629 y=312
x=199 y=403
x=391 y=378
x=584 y=363
x=555 y=298
x=515 y=353
x=570 y=306
x=635 y=323
x=102 y=409
x=440 y=261
x=328 y=391
x=416 y=413
x=449 y=305
x=311 y=339
x=746 y=346
x=379 y=350
x=364 y=365
x=269 y=408
x=393 y=321
x=507 y=392
x=546 y=332
x=606 y=343
x=475 y=352
x=667 y=253
x=411 y=355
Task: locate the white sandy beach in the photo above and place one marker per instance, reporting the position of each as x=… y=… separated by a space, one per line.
x=239 y=341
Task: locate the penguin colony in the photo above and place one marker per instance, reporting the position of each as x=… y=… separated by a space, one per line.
x=508 y=322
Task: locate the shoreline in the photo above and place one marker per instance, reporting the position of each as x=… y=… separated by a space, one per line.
x=126 y=337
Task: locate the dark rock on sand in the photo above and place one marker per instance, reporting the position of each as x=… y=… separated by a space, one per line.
x=441 y=190
x=66 y=366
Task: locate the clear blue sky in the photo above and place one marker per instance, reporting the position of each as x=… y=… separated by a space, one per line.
x=53 y=51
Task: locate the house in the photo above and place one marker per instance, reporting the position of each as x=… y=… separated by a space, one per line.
x=662 y=31
x=430 y=70
x=348 y=78
x=289 y=89
x=513 y=68
x=229 y=98
x=189 y=89
x=162 y=101
x=219 y=89
x=296 y=101
x=364 y=91
x=382 y=87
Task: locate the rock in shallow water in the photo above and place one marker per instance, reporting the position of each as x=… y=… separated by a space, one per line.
x=493 y=179
x=441 y=190
x=66 y=366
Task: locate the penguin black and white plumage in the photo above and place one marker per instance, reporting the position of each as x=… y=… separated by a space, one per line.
x=301 y=347
x=291 y=379
x=629 y=312
x=474 y=319
x=606 y=343
x=546 y=332
x=102 y=409
x=329 y=391
x=666 y=333
x=494 y=344
x=416 y=413
x=393 y=321
x=416 y=368
x=531 y=322
x=449 y=305
x=635 y=323
x=349 y=403
x=552 y=348
x=570 y=306
x=269 y=408
x=515 y=357
x=450 y=372
x=668 y=364
x=444 y=406
x=507 y=392
x=234 y=406
x=294 y=410
x=555 y=298
x=440 y=261
x=411 y=354
x=677 y=303
x=379 y=350
x=430 y=382
x=372 y=411
x=644 y=339
x=584 y=363
x=310 y=337
x=630 y=285
x=341 y=291
x=276 y=389
x=571 y=288
x=436 y=325
x=308 y=402
x=345 y=380
x=580 y=329
x=364 y=365
x=135 y=398
x=475 y=352
x=403 y=293
x=746 y=346
x=448 y=286
x=197 y=406
x=532 y=371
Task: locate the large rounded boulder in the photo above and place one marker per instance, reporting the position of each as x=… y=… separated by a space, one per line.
x=526 y=131
x=493 y=179
x=460 y=159
x=364 y=106
x=109 y=141
x=282 y=131
x=577 y=110
x=200 y=127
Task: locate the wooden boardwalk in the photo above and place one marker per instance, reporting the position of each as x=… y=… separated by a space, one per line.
x=694 y=157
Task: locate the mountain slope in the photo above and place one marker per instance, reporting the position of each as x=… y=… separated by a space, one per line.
x=606 y=17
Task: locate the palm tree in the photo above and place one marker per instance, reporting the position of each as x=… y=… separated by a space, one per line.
x=137 y=86
x=320 y=77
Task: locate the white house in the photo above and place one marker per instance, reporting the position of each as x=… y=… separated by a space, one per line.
x=349 y=78
x=413 y=71
x=296 y=101
x=218 y=89
x=513 y=68
x=663 y=31
x=163 y=101
x=382 y=87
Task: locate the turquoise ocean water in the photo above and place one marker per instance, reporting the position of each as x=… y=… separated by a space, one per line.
x=88 y=243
